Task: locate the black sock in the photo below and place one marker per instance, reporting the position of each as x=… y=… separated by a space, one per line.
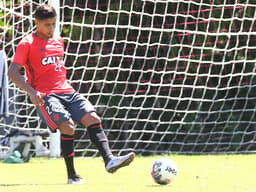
x=67 y=148
x=98 y=137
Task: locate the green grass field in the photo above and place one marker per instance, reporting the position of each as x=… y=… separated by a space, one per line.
x=208 y=173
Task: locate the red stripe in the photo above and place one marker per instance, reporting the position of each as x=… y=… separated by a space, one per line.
x=71 y=155
x=67 y=138
x=96 y=126
x=48 y=119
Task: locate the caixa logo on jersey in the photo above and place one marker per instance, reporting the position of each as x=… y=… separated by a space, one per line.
x=57 y=60
x=51 y=60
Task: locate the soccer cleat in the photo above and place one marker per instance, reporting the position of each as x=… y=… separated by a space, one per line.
x=76 y=179
x=117 y=162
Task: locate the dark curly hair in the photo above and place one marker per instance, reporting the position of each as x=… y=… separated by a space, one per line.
x=44 y=12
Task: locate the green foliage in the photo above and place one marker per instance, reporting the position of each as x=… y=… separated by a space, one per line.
x=175 y=65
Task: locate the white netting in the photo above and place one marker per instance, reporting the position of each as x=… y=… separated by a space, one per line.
x=15 y=23
x=165 y=76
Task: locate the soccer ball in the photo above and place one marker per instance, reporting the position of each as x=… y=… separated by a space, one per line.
x=163 y=171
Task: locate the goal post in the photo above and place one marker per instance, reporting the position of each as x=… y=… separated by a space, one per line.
x=165 y=76
x=54 y=144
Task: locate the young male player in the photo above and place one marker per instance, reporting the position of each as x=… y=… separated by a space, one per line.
x=41 y=53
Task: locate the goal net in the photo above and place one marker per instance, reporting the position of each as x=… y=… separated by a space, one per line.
x=166 y=76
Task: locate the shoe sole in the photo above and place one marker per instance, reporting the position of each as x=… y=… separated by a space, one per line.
x=75 y=182
x=125 y=163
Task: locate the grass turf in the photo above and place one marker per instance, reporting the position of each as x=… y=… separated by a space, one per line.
x=207 y=173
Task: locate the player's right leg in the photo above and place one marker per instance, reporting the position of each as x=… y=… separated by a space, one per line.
x=54 y=114
x=67 y=146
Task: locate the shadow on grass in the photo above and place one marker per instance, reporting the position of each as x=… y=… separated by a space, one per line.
x=157 y=186
x=20 y=184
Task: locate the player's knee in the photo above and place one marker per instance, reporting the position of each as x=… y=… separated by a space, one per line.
x=90 y=118
x=67 y=127
x=94 y=117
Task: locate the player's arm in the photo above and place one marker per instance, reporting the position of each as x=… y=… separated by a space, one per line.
x=19 y=80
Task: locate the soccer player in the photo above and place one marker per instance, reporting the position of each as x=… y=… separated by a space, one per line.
x=58 y=104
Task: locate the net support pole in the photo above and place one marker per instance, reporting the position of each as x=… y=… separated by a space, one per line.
x=55 y=137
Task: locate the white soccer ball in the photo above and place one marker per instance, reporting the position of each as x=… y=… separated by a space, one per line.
x=163 y=171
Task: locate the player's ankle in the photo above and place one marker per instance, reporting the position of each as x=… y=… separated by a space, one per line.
x=108 y=158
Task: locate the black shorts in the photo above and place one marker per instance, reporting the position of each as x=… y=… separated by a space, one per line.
x=62 y=106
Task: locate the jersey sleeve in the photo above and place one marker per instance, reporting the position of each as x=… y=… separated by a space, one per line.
x=21 y=54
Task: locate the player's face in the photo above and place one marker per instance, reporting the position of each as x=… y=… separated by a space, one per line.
x=46 y=27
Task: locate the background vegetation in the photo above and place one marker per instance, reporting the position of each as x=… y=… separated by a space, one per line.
x=185 y=69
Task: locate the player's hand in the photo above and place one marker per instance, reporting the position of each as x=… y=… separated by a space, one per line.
x=36 y=98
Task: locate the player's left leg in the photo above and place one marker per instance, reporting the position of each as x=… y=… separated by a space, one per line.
x=82 y=111
x=96 y=133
